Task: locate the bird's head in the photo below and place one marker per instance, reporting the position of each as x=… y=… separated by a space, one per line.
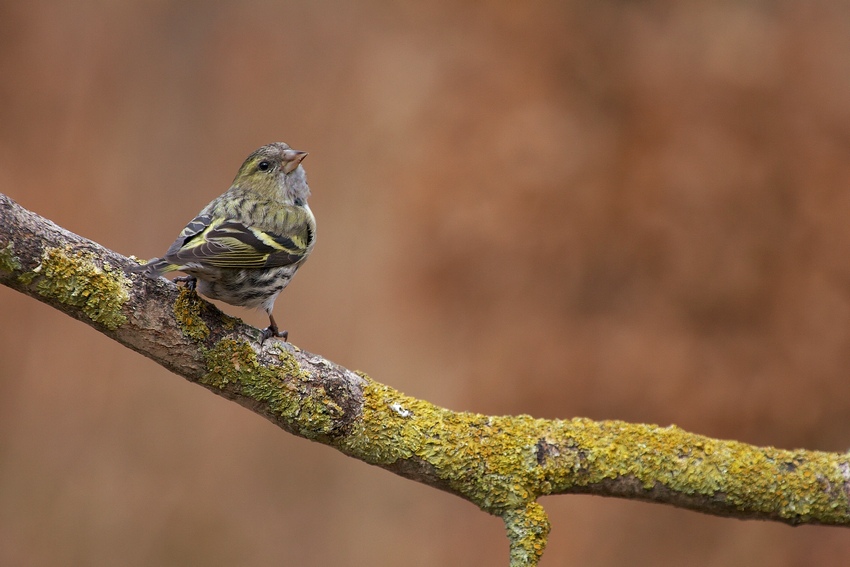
x=275 y=172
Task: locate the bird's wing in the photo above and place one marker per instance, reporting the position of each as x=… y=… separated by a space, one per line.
x=228 y=243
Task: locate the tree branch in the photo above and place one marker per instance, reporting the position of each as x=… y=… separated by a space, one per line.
x=501 y=464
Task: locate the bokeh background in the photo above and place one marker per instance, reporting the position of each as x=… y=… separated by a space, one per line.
x=619 y=210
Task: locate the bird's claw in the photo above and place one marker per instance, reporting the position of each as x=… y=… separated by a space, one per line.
x=271 y=331
x=190 y=281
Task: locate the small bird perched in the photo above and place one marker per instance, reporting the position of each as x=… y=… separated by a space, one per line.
x=245 y=246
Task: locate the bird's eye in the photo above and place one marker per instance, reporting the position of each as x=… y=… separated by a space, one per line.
x=264 y=166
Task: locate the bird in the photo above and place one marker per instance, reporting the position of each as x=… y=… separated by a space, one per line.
x=246 y=245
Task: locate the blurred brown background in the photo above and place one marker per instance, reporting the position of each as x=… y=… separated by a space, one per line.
x=630 y=210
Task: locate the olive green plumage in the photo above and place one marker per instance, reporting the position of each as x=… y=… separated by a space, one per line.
x=245 y=246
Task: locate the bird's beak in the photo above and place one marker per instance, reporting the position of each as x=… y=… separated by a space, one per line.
x=291 y=159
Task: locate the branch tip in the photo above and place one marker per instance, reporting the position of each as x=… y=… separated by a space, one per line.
x=528 y=530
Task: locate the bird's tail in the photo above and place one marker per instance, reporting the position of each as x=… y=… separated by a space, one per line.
x=155 y=267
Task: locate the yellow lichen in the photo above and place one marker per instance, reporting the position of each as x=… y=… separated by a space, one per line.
x=528 y=530
x=503 y=463
x=285 y=390
x=75 y=278
x=795 y=485
x=485 y=458
x=187 y=310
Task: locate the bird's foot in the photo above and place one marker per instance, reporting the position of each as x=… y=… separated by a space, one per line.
x=272 y=331
x=190 y=281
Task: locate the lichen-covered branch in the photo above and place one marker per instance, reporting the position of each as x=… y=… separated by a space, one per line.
x=502 y=464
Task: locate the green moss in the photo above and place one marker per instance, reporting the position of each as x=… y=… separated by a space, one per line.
x=188 y=309
x=286 y=391
x=528 y=529
x=8 y=261
x=74 y=278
